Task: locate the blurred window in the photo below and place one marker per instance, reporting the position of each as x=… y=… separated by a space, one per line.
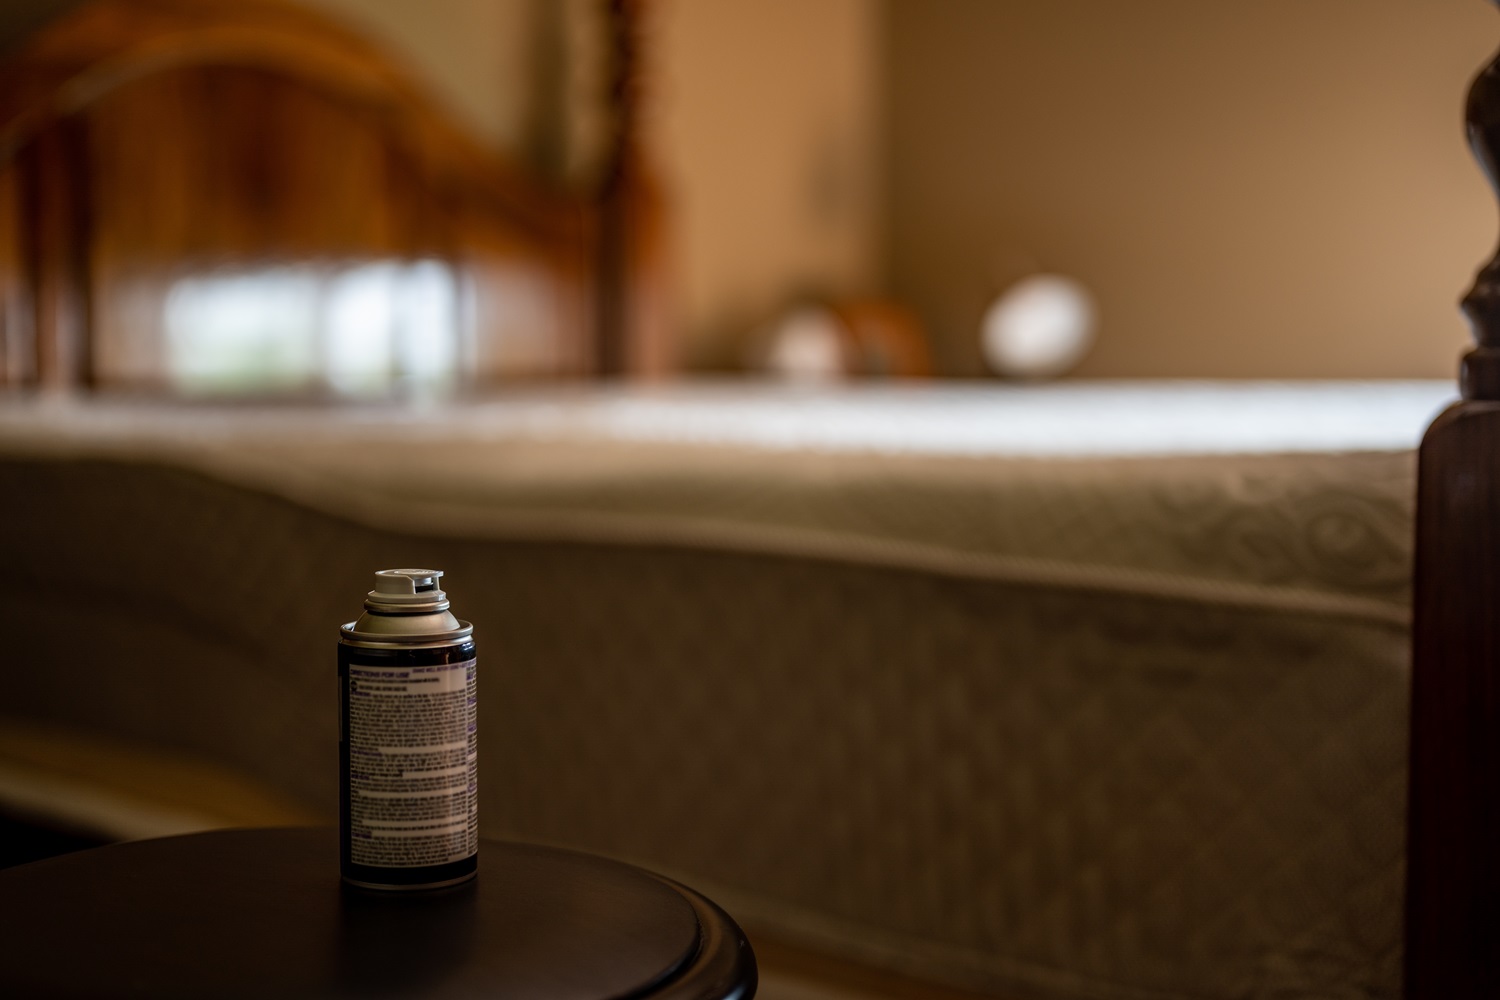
x=370 y=329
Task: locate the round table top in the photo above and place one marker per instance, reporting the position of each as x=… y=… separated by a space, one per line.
x=262 y=912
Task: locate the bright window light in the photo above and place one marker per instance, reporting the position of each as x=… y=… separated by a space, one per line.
x=364 y=330
x=227 y=333
x=426 y=326
x=359 y=335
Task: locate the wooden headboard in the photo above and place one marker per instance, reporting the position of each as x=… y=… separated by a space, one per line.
x=145 y=142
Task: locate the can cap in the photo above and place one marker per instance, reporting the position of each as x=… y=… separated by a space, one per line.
x=407 y=606
x=407 y=590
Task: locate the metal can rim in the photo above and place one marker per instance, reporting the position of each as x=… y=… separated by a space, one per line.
x=453 y=637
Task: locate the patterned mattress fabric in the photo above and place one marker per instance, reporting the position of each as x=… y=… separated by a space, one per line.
x=1119 y=718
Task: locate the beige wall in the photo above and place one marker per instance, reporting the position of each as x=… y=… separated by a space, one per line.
x=768 y=141
x=1277 y=188
x=1268 y=189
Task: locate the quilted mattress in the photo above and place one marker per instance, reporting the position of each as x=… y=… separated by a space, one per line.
x=1085 y=691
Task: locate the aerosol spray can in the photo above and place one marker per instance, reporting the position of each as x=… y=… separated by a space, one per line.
x=408 y=738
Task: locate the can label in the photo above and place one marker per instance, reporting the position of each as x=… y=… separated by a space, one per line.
x=413 y=764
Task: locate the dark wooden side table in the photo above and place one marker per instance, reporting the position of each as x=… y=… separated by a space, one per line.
x=262 y=913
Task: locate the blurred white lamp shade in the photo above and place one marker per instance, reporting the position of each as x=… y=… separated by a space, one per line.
x=1040 y=327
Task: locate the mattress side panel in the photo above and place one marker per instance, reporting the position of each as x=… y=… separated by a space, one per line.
x=1064 y=792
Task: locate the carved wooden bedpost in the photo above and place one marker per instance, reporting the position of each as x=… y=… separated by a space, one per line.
x=630 y=315
x=1453 y=873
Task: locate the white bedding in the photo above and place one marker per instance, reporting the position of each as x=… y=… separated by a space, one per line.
x=1283 y=495
x=1071 y=419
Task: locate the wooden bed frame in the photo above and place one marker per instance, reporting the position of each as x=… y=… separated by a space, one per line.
x=1453 y=845
x=294 y=140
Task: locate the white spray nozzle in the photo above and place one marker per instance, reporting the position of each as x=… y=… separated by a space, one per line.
x=407 y=581
x=401 y=588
